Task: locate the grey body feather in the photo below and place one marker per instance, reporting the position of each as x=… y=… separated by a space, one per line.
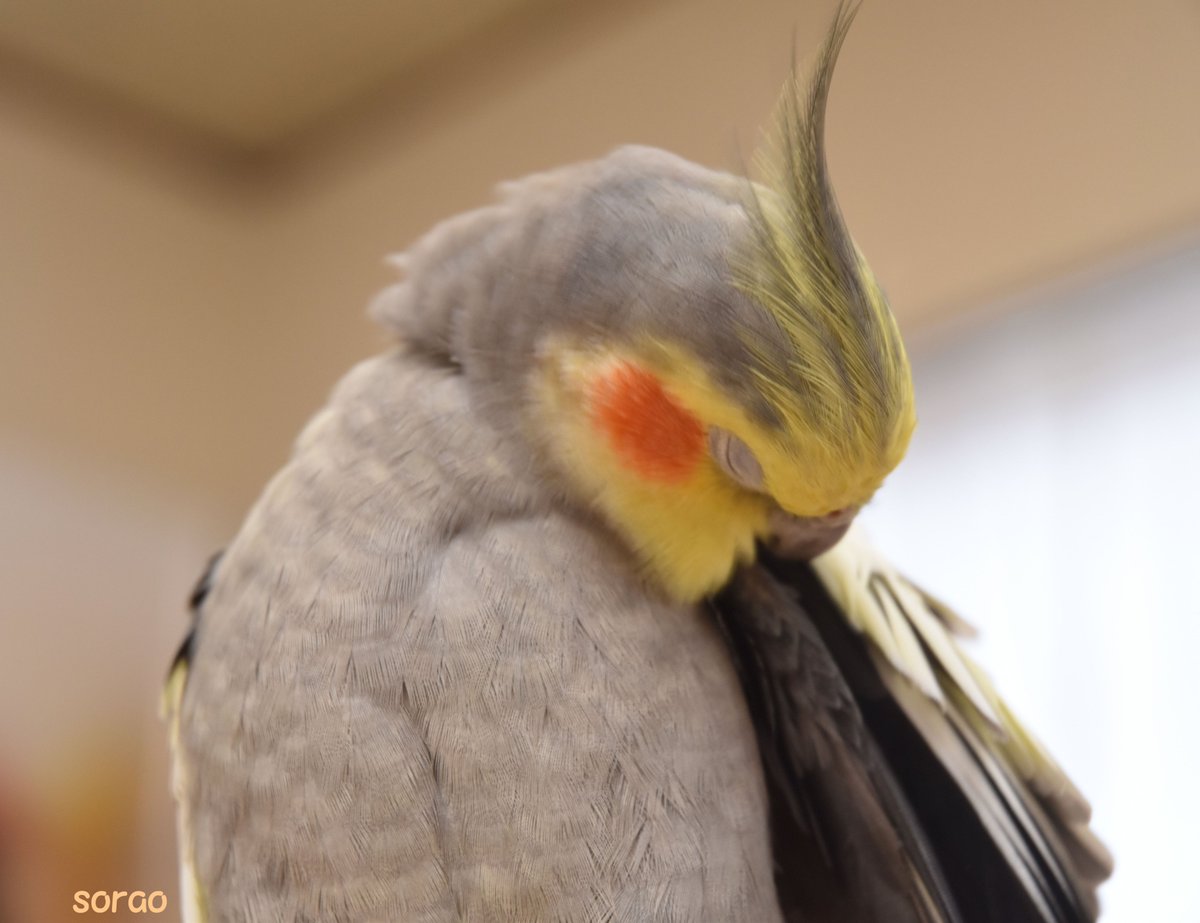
x=419 y=692
x=427 y=687
x=633 y=246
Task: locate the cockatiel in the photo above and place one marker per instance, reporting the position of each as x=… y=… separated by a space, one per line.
x=527 y=630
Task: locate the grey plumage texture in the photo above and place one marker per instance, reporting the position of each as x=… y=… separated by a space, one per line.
x=631 y=246
x=425 y=685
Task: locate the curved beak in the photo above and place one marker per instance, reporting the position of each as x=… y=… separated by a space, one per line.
x=805 y=537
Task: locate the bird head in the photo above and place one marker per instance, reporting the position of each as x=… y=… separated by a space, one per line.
x=705 y=361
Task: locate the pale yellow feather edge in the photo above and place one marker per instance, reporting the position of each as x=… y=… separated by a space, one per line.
x=883 y=606
x=888 y=610
x=193 y=908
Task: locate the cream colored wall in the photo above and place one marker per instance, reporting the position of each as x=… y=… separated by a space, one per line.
x=172 y=312
x=129 y=290
x=128 y=341
x=977 y=148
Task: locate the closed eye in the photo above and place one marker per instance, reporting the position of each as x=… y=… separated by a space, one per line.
x=735 y=458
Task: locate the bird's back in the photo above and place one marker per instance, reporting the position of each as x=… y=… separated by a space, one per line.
x=420 y=689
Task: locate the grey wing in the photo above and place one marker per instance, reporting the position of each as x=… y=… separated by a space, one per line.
x=419 y=691
x=593 y=740
x=525 y=747
x=290 y=811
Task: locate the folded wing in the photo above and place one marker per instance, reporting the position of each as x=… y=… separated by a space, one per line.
x=993 y=829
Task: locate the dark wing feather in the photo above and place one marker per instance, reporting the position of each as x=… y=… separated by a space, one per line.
x=846 y=843
x=999 y=821
x=200 y=591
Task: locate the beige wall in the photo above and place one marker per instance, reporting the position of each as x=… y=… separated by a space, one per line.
x=203 y=302
x=172 y=311
x=126 y=289
x=115 y=248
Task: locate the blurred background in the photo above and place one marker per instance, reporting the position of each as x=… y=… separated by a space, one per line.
x=195 y=200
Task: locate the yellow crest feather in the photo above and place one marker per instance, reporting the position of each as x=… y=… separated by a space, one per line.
x=844 y=392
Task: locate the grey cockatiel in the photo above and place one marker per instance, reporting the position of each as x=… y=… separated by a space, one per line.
x=502 y=642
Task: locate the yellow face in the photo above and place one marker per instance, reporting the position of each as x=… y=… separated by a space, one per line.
x=633 y=430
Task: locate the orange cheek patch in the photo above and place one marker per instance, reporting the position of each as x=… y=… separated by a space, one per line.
x=650 y=433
